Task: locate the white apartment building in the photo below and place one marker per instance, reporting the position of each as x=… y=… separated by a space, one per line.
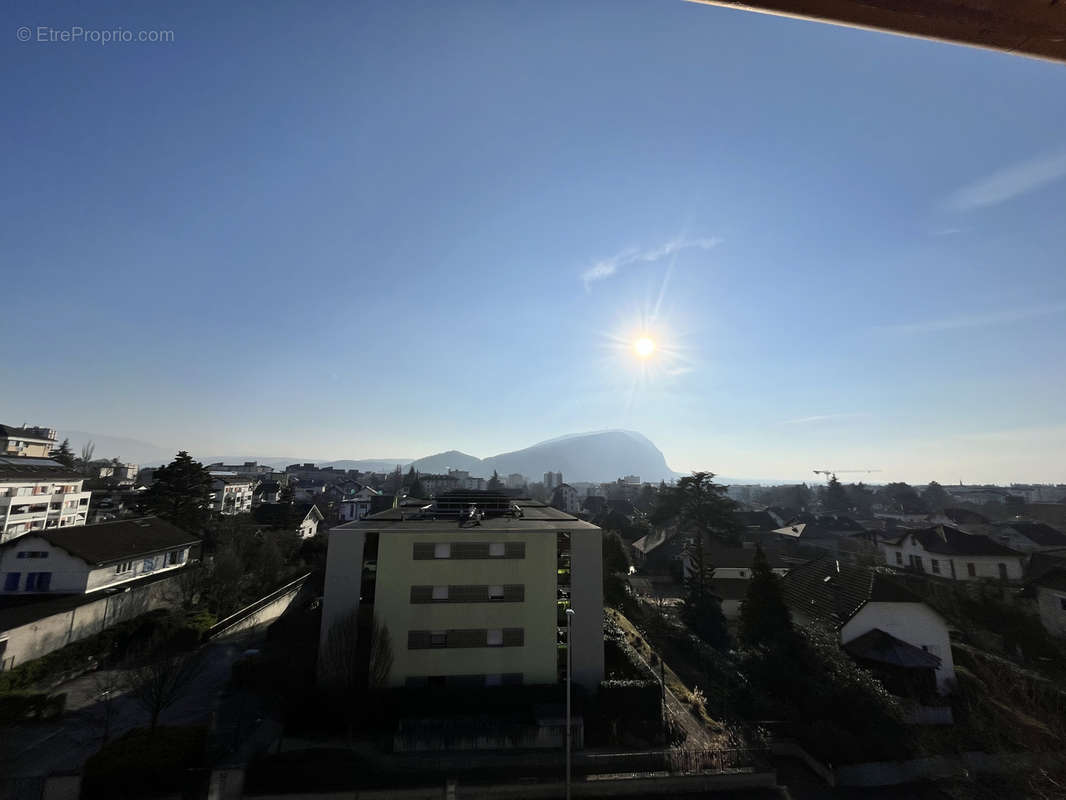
x=231 y=494
x=38 y=494
x=29 y=441
x=564 y=498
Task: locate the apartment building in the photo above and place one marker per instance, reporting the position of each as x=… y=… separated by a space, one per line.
x=38 y=494
x=29 y=441
x=231 y=494
x=473 y=590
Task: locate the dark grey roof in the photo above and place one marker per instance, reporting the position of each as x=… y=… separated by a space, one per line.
x=1038 y=532
x=107 y=542
x=730 y=588
x=950 y=541
x=760 y=520
x=32 y=469
x=274 y=514
x=884 y=648
x=234 y=478
x=834 y=592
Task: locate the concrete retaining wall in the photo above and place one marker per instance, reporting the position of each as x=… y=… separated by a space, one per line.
x=261 y=612
x=41 y=637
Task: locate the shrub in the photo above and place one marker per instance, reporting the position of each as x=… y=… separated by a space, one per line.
x=145 y=763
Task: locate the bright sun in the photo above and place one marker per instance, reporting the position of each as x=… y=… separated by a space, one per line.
x=644 y=347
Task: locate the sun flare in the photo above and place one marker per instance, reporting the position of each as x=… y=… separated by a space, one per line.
x=644 y=346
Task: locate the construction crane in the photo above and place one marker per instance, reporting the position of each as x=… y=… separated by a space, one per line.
x=830 y=474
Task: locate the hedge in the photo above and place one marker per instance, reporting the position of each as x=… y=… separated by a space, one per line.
x=146 y=763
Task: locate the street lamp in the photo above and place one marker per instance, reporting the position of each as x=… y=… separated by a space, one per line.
x=569 y=617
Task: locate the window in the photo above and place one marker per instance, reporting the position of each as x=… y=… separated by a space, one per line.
x=1062 y=603
x=175 y=557
x=494 y=638
x=496 y=550
x=38 y=581
x=971 y=570
x=11 y=581
x=495 y=593
x=442 y=550
x=149 y=564
x=440 y=593
x=494 y=680
x=438 y=638
x=899 y=557
x=1003 y=572
x=936 y=566
x=125 y=566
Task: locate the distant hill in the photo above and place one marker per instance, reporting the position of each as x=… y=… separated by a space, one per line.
x=440 y=463
x=600 y=456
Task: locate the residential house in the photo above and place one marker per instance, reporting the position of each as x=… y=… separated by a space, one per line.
x=564 y=498
x=978 y=495
x=87 y=558
x=880 y=623
x=1049 y=590
x=28 y=441
x=470 y=590
x=231 y=494
x=1028 y=536
x=732 y=572
x=38 y=494
x=267 y=492
x=303 y=518
x=249 y=469
x=947 y=552
x=358 y=505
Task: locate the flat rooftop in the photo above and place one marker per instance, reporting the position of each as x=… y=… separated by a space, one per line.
x=521 y=515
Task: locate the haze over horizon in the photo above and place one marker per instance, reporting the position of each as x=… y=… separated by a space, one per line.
x=401 y=228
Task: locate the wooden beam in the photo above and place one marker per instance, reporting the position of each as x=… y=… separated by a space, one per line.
x=1035 y=28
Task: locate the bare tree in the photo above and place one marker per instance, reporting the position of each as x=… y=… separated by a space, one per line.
x=346 y=670
x=380 y=655
x=159 y=683
x=87 y=451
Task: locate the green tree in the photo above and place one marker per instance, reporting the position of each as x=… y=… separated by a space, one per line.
x=181 y=493
x=615 y=559
x=64 y=455
x=698 y=504
x=836 y=498
x=902 y=498
x=935 y=497
x=764 y=617
x=417 y=489
x=287 y=495
x=701 y=609
x=495 y=483
x=861 y=499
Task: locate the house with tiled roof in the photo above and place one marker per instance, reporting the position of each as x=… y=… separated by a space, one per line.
x=1028 y=536
x=88 y=558
x=301 y=518
x=879 y=621
x=947 y=552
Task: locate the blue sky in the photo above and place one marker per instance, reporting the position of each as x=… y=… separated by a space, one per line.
x=393 y=228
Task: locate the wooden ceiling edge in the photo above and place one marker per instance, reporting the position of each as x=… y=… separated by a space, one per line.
x=1023 y=47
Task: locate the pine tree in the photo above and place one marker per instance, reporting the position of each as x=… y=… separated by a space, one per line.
x=64 y=455
x=702 y=609
x=181 y=493
x=764 y=617
x=494 y=482
x=836 y=497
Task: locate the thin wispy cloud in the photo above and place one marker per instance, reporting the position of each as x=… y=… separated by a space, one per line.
x=975 y=320
x=1010 y=182
x=826 y=418
x=609 y=266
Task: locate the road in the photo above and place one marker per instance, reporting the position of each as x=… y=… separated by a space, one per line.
x=63 y=745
